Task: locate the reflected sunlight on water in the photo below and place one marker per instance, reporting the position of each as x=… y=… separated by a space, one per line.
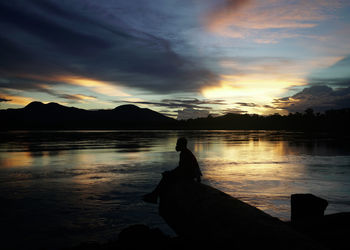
x=89 y=183
x=16 y=159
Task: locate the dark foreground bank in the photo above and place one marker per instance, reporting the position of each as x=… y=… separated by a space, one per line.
x=331 y=233
x=204 y=217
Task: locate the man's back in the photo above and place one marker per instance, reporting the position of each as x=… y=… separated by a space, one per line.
x=188 y=165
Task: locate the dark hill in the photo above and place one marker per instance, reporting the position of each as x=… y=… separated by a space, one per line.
x=37 y=115
x=133 y=113
x=50 y=107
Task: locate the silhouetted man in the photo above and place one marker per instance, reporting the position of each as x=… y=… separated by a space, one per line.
x=188 y=169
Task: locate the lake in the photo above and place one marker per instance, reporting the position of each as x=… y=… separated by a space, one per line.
x=60 y=188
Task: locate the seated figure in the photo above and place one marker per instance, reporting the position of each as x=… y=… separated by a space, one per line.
x=188 y=169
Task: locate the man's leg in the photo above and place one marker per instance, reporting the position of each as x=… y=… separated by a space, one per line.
x=153 y=196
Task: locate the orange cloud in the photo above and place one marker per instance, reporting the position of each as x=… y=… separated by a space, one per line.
x=97 y=86
x=101 y=87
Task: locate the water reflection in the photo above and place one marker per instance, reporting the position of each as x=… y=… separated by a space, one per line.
x=16 y=159
x=90 y=182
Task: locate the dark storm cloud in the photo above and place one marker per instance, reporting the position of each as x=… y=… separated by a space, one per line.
x=49 y=38
x=181 y=103
x=319 y=98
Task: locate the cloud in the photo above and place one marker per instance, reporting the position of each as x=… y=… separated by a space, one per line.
x=70 y=39
x=185 y=108
x=194 y=103
x=77 y=97
x=335 y=82
x=72 y=98
x=194 y=108
x=19 y=85
x=181 y=103
x=234 y=111
x=246 y=18
x=319 y=98
x=220 y=17
x=191 y=113
x=4 y=99
x=100 y=87
x=244 y=104
x=336 y=74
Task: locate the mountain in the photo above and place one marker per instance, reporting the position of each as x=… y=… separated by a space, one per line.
x=38 y=115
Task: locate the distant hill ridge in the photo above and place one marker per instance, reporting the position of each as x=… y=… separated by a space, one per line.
x=52 y=106
x=38 y=115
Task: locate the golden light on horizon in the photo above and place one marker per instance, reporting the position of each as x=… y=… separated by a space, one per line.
x=251 y=88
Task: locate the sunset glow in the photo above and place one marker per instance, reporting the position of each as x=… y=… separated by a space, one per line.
x=247 y=56
x=256 y=90
x=152 y=119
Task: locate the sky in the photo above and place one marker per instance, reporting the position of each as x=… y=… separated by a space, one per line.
x=183 y=58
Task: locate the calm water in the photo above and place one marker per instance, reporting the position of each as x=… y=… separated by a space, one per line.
x=64 y=187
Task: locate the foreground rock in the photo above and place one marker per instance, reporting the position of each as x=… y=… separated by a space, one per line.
x=307 y=208
x=200 y=213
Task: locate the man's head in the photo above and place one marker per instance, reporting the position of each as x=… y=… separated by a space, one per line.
x=181 y=144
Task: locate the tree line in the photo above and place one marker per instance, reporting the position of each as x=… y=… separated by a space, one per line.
x=338 y=120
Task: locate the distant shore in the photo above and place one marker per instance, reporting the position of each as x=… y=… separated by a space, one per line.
x=53 y=116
